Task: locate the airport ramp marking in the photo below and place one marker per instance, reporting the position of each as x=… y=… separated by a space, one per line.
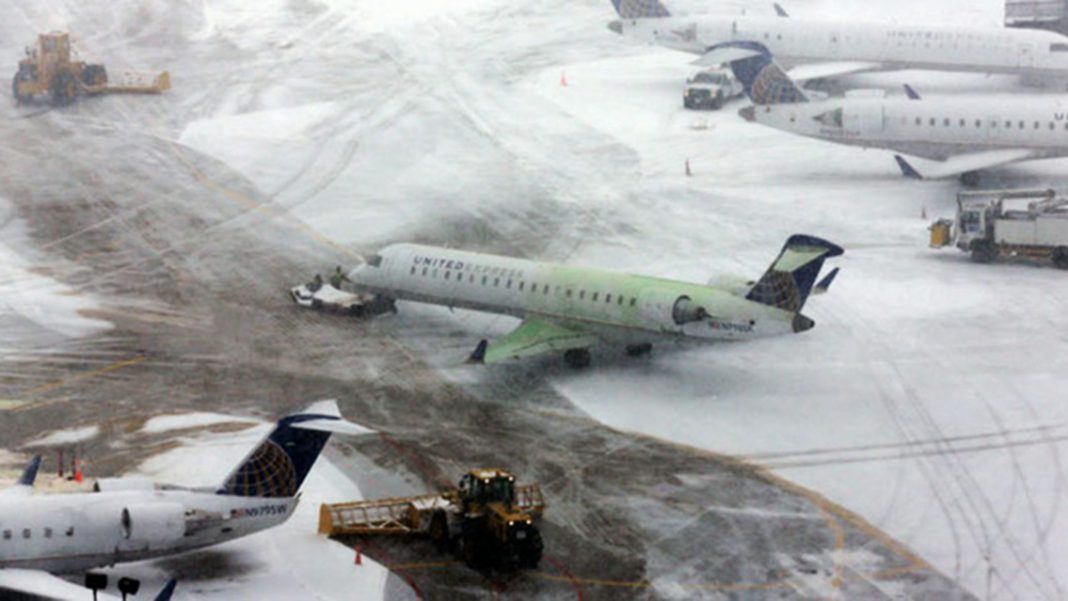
x=49 y=386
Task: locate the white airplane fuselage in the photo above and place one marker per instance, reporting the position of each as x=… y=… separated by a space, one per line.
x=1039 y=54
x=932 y=129
x=70 y=533
x=622 y=308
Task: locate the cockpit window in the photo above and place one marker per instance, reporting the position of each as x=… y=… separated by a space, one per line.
x=375 y=261
x=1060 y=47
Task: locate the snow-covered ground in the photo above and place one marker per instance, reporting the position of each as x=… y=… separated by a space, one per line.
x=291 y=561
x=36 y=311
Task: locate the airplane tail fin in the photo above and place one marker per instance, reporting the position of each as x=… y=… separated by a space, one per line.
x=640 y=9
x=30 y=473
x=790 y=279
x=764 y=81
x=278 y=465
x=167 y=591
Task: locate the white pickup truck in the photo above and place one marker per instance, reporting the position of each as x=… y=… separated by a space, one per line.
x=710 y=89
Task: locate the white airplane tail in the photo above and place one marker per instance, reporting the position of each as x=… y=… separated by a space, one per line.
x=792 y=277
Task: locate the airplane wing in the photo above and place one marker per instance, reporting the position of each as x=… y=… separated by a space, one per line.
x=962 y=163
x=39 y=584
x=822 y=70
x=536 y=336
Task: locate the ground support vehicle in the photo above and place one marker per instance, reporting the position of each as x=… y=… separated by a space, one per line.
x=710 y=89
x=487 y=519
x=996 y=223
x=49 y=71
x=326 y=297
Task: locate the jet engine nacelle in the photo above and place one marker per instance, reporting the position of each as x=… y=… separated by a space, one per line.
x=671 y=311
x=153 y=524
x=122 y=484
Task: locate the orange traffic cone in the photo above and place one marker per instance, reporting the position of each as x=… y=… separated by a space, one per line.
x=563 y=78
x=78 y=471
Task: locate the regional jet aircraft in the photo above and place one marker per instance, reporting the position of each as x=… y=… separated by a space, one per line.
x=130 y=519
x=959 y=136
x=817 y=49
x=570 y=309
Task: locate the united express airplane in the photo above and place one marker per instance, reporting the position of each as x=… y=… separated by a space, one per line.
x=130 y=519
x=958 y=136
x=815 y=49
x=570 y=309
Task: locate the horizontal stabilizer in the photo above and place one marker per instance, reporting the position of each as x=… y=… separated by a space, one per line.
x=832 y=69
x=825 y=283
x=961 y=163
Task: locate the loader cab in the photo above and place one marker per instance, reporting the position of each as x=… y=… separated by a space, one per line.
x=488 y=486
x=54 y=47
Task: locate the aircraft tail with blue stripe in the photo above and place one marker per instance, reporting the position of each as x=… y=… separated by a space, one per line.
x=640 y=9
x=764 y=81
x=791 y=278
x=278 y=466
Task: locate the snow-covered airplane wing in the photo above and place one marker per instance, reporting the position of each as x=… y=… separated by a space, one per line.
x=534 y=337
x=724 y=53
x=835 y=69
x=36 y=583
x=961 y=163
x=25 y=484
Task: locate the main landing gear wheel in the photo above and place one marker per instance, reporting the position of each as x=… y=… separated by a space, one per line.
x=983 y=252
x=577 y=358
x=637 y=350
x=439 y=531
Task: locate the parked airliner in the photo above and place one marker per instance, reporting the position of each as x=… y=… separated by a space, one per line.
x=570 y=309
x=960 y=136
x=816 y=49
x=130 y=519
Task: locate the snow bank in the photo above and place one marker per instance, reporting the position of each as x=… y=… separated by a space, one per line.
x=61 y=437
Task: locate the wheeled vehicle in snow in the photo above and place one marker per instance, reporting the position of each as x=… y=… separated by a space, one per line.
x=991 y=224
x=49 y=71
x=324 y=296
x=487 y=519
x=710 y=89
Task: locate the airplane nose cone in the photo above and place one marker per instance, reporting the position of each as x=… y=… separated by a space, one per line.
x=616 y=26
x=748 y=113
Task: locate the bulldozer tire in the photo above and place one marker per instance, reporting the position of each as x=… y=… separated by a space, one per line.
x=983 y=252
x=22 y=75
x=64 y=89
x=94 y=75
x=439 y=531
x=474 y=550
x=530 y=552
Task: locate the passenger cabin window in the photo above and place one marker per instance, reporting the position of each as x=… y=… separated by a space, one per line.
x=413 y=270
x=919 y=120
x=375 y=261
x=608 y=298
x=484 y=280
x=946 y=122
x=447 y=275
x=594 y=297
x=933 y=121
x=48 y=532
x=25 y=533
x=70 y=531
x=7 y=535
x=633 y=301
x=568 y=293
x=496 y=282
x=521 y=286
x=508 y=284
x=582 y=294
x=424 y=271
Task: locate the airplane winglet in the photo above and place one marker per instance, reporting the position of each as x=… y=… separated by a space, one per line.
x=30 y=473
x=479 y=354
x=906 y=169
x=911 y=93
x=167 y=591
x=779 y=10
x=825 y=283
